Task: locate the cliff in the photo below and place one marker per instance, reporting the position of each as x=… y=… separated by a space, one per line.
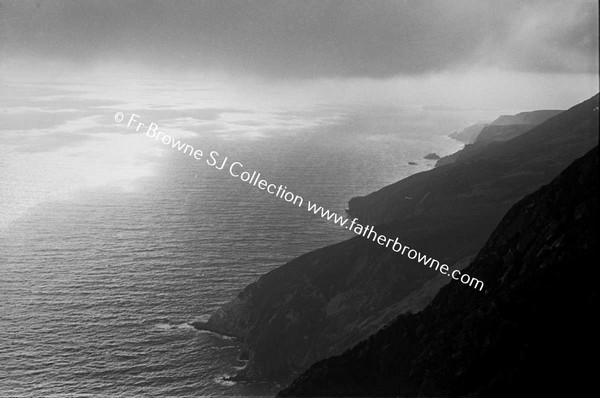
x=490 y=134
x=489 y=175
x=532 y=118
x=527 y=334
x=469 y=134
x=494 y=133
x=325 y=301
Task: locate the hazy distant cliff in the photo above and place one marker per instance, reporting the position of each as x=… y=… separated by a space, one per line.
x=524 y=121
x=528 y=334
x=504 y=128
x=325 y=301
x=489 y=176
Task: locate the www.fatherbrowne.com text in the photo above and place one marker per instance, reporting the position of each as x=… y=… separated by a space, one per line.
x=236 y=169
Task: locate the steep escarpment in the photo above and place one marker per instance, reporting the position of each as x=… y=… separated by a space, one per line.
x=532 y=118
x=470 y=134
x=494 y=133
x=496 y=174
x=527 y=334
x=504 y=128
x=490 y=134
x=325 y=301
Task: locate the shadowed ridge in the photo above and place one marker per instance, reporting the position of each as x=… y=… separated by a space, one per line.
x=528 y=333
x=324 y=302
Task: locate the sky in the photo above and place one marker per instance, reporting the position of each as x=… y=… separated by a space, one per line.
x=249 y=70
x=398 y=51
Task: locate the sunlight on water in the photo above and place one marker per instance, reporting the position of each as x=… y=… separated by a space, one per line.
x=59 y=139
x=39 y=166
x=111 y=242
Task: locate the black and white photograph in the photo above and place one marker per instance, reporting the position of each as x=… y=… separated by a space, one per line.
x=299 y=198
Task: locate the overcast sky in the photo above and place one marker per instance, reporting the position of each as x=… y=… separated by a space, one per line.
x=309 y=38
x=305 y=40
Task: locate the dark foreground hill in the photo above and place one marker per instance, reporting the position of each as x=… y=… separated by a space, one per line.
x=324 y=302
x=529 y=333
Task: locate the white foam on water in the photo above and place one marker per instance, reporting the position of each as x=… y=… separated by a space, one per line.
x=222 y=381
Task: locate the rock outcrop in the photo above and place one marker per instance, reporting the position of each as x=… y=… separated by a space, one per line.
x=431 y=156
x=527 y=334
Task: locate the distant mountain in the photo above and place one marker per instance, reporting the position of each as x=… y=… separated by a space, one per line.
x=520 y=123
x=527 y=334
x=326 y=301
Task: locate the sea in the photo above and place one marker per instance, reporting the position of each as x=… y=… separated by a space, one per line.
x=112 y=242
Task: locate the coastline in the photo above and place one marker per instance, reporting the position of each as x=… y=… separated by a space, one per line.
x=244 y=298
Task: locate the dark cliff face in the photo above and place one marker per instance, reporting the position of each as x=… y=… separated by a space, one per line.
x=529 y=332
x=324 y=302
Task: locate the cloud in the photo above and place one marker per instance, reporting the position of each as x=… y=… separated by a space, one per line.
x=308 y=39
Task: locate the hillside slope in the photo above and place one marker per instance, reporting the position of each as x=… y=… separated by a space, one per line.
x=490 y=175
x=528 y=334
x=325 y=301
x=470 y=134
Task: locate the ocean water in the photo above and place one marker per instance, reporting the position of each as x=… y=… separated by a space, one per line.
x=111 y=243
